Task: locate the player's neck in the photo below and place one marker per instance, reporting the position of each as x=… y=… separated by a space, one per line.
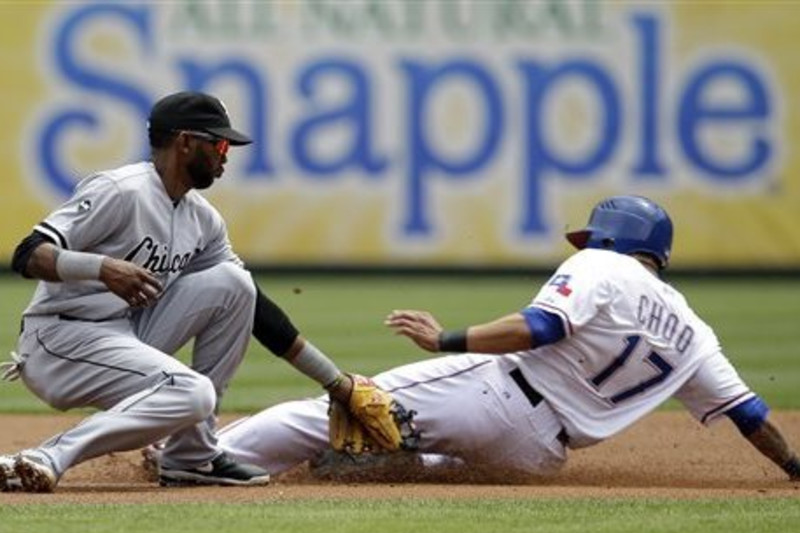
x=649 y=263
x=167 y=171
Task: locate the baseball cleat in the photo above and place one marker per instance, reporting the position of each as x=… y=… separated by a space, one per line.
x=9 y=481
x=34 y=474
x=223 y=470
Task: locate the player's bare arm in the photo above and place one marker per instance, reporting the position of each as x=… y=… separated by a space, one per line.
x=769 y=440
x=42 y=263
x=130 y=282
x=506 y=334
x=510 y=333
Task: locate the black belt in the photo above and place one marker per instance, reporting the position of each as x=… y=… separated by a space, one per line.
x=535 y=398
x=70 y=318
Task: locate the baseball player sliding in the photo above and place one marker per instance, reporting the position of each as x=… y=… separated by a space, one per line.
x=603 y=343
x=132 y=267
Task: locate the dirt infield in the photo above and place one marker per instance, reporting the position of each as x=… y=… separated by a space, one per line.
x=666 y=455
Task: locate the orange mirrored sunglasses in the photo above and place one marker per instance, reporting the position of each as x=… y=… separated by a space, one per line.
x=220 y=145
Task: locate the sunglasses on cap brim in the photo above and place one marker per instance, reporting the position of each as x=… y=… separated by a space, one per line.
x=220 y=145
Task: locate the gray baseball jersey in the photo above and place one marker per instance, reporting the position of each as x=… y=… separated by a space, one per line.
x=116 y=359
x=127 y=214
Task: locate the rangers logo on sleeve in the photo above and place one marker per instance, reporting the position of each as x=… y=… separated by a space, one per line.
x=561 y=281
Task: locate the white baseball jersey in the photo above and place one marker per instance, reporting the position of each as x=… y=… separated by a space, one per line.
x=631 y=343
x=127 y=214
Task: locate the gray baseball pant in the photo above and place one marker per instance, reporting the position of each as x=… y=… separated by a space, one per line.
x=125 y=368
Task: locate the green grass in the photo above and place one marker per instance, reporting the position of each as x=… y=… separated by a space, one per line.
x=442 y=516
x=757 y=322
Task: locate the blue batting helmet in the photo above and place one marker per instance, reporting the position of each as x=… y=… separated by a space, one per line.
x=627 y=224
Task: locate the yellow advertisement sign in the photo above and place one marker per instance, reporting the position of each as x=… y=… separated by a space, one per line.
x=391 y=132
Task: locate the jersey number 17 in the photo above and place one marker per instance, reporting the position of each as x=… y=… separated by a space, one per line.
x=662 y=367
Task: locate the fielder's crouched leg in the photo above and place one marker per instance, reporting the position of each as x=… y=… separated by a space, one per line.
x=174 y=400
x=221 y=469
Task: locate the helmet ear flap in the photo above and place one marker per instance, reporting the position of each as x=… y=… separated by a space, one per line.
x=608 y=243
x=579 y=238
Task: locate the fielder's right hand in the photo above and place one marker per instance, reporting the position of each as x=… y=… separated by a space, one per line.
x=132 y=283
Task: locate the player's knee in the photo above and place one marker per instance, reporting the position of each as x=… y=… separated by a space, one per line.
x=56 y=401
x=201 y=398
x=235 y=281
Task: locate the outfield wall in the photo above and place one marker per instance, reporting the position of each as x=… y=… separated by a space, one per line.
x=430 y=134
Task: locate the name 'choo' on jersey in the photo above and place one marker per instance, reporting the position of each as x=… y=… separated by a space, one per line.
x=633 y=342
x=127 y=214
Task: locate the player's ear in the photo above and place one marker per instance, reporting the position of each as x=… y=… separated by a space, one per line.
x=182 y=142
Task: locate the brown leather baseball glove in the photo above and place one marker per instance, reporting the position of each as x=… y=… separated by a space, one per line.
x=372 y=421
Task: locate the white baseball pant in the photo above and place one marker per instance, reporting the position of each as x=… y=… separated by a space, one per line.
x=467 y=406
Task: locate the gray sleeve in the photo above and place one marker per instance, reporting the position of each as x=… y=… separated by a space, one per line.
x=93 y=213
x=218 y=247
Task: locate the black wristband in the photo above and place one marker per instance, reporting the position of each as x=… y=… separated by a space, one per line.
x=792 y=467
x=453 y=341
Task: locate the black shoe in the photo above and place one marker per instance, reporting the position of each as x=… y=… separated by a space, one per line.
x=223 y=470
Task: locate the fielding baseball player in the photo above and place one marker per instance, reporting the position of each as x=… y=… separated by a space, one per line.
x=603 y=343
x=132 y=267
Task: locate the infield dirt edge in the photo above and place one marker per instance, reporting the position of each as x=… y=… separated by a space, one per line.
x=667 y=455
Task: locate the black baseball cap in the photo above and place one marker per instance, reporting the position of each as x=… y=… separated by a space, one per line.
x=189 y=110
